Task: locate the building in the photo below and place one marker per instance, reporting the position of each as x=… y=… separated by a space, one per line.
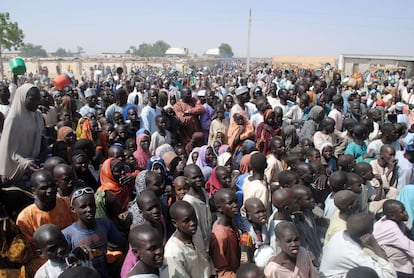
x=177 y=52
x=213 y=52
x=349 y=64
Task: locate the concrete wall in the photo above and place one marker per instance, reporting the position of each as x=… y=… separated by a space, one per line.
x=365 y=64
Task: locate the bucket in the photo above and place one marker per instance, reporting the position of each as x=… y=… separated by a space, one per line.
x=17 y=66
x=61 y=82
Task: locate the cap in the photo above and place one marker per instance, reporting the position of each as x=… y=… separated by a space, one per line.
x=201 y=93
x=399 y=106
x=241 y=90
x=409 y=142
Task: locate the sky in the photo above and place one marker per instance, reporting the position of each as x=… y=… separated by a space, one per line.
x=298 y=28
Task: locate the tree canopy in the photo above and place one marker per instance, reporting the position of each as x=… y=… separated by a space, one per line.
x=156 y=49
x=11 y=36
x=31 y=50
x=61 y=52
x=226 y=51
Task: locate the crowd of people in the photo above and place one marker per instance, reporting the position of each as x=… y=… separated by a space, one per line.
x=209 y=173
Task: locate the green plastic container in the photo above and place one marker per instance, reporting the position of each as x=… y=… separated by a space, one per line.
x=17 y=65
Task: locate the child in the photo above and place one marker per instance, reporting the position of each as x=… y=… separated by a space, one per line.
x=305 y=222
x=274 y=162
x=287 y=178
x=197 y=197
x=285 y=202
x=51 y=244
x=254 y=235
x=161 y=136
x=181 y=255
x=220 y=178
x=386 y=168
x=89 y=231
x=224 y=240
x=312 y=155
x=337 y=182
x=358 y=148
x=328 y=158
x=266 y=130
x=219 y=125
x=354 y=183
x=181 y=187
x=372 y=191
x=255 y=185
x=149 y=206
x=147 y=247
x=347 y=203
x=346 y=163
x=249 y=270
x=293 y=260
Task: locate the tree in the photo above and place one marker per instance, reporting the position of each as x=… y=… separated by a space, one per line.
x=80 y=50
x=156 y=49
x=61 y=52
x=11 y=36
x=31 y=50
x=225 y=50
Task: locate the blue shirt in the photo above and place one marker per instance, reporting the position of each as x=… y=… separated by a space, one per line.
x=96 y=239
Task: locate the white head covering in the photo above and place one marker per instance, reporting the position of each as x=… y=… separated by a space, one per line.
x=21 y=137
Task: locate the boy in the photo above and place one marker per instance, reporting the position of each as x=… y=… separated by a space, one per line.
x=346 y=163
x=305 y=222
x=368 y=192
x=197 y=197
x=337 y=181
x=181 y=255
x=52 y=245
x=47 y=209
x=146 y=243
x=249 y=270
x=90 y=232
x=224 y=240
x=347 y=203
x=220 y=125
x=274 y=162
x=255 y=184
x=161 y=135
x=358 y=148
x=181 y=187
x=254 y=230
x=293 y=260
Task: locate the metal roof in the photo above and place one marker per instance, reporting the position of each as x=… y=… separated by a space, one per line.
x=380 y=57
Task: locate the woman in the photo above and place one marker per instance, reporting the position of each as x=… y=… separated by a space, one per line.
x=206 y=160
x=80 y=163
x=21 y=138
x=142 y=154
x=113 y=178
x=240 y=129
x=64 y=144
x=157 y=165
x=310 y=126
x=266 y=130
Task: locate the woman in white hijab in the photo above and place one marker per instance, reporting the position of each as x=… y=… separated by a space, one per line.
x=22 y=135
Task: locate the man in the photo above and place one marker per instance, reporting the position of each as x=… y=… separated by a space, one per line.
x=91 y=101
x=206 y=98
x=150 y=112
x=389 y=136
x=188 y=110
x=243 y=105
x=405 y=163
x=390 y=231
x=346 y=250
